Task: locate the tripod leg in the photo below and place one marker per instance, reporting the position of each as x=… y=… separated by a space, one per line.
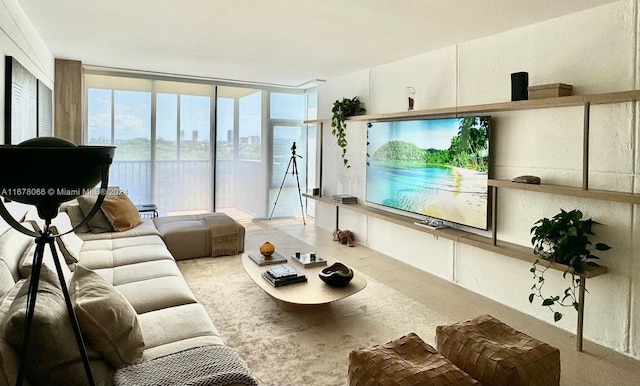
x=281 y=185
x=32 y=293
x=72 y=315
x=295 y=171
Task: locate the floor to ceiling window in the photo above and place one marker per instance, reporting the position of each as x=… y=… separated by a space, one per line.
x=165 y=132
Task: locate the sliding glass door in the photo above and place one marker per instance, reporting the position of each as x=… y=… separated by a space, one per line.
x=192 y=147
x=162 y=133
x=239 y=153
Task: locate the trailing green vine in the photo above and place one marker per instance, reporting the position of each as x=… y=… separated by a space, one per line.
x=341 y=111
x=562 y=239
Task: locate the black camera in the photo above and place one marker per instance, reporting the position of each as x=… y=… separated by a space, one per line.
x=293 y=147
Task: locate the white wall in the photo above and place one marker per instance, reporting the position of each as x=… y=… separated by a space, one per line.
x=18 y=38
x=596 y=51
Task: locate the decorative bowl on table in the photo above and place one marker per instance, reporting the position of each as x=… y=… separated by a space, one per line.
x=336 y=275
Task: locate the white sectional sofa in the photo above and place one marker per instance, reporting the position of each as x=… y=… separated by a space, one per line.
x=139 y=265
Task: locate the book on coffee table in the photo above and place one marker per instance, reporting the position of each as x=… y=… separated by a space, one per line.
x=261 y=259
x=305 y=260
x=279 y=282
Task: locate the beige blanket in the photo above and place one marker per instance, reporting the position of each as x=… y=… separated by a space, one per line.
x=202 y=366
x=224 y=234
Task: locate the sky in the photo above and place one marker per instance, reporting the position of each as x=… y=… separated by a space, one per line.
x=132 y=114
x=424 y=133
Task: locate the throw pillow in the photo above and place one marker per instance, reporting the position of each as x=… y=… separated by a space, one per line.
x=98 y=223
x=53 y=358
x=70 y=244
x=107 y=320
x=121 y=213
x=76 y=216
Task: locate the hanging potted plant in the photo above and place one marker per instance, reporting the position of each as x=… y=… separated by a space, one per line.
x=341 y=111
x=563 y=239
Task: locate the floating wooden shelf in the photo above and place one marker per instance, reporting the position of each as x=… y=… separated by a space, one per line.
x=545 y=103
x=523 y=253
x=504 y=248
x=606 y=195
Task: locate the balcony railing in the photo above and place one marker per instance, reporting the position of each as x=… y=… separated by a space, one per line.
x=187 y=185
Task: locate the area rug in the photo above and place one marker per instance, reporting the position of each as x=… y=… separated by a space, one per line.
x=309 y=346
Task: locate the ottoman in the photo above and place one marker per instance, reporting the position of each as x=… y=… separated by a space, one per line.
x=191 y=236
x=496 y=354
x=407 y=361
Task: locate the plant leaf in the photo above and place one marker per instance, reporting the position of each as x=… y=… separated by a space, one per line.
x=602 y=247
x=557 y=316
x=531 y=298
x=548 y=302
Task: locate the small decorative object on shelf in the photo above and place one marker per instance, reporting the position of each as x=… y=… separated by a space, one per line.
x=308 y=260
x=336 y=275
x=519 y=84
x=411 y=92
x=527 y=180
x=267 y=248
x=344 y=199
x=553 y=90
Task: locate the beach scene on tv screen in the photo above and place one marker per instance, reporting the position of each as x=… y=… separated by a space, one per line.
x=437 y=168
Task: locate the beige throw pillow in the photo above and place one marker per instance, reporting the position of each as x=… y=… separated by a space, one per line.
x=98 y=223
x=54 y=358
x=121 y=213
x=107 y=320
x=76 y=216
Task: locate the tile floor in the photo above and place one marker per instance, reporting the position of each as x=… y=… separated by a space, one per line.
x=596 y=365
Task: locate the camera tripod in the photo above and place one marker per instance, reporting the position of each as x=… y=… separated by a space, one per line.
x=294 y=172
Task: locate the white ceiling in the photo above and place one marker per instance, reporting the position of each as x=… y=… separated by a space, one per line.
x=280 y=42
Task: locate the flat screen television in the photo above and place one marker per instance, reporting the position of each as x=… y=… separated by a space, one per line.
x=436 y=168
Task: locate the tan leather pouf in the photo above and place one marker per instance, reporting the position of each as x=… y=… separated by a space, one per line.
x=496 y=354
x=407 y=361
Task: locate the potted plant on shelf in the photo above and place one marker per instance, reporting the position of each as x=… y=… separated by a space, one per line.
x=341 y=111
x=563 y=239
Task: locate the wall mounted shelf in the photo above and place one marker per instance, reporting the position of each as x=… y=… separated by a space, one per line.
x=545 y=103
x=605 y=195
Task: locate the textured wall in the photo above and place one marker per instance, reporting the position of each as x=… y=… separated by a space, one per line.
x=18 y=38
x=596 y=51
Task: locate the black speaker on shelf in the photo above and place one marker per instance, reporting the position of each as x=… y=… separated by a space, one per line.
x=519 y=86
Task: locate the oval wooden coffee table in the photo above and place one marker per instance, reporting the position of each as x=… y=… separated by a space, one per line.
x=312 y=293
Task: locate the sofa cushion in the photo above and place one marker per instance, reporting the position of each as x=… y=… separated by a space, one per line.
x=9 y=359
x=14 y=248
x=54 y=358
x=113 y=253
x=147 y=228
x=121 y=213
x=158 y=293
x=107 y=320
x=166 y=331
x=47 y=259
